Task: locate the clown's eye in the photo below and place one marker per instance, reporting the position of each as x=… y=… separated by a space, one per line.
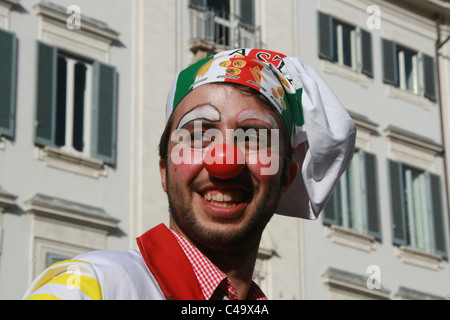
x=200 y=140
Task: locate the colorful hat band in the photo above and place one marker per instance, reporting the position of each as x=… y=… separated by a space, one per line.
x=262 y=70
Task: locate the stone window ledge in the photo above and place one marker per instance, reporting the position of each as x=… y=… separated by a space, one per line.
x=345 y=72
x=419 y=258
x=67 y=161
x=350 y=238
x=66 y=210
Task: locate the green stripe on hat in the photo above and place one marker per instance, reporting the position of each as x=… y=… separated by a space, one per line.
x=186 y=79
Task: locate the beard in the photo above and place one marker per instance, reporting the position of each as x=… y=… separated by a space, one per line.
x=258 y=213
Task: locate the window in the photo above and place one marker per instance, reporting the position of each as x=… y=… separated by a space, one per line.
x=354 y=203
x=407 y=69
x=417 y=213
x=73 y=104
x=76 y=104
x=8 y=70
x=224 y=22
x=401 y=67
x=345 y=44
x=51 y=258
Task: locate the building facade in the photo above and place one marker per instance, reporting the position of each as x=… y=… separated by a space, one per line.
x=82 y=106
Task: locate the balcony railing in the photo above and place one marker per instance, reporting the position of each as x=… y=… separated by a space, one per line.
x=226 y=30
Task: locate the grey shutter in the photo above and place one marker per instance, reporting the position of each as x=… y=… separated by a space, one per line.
x=104 y=113
x=399 y=235
x=366 y=53
x=8 y=75
x=247 y=12
x=325 y=29
x=371 y=184
x=45 y=121
x=331 y=211
x=437 y=215
x=429 y=77
x=390 y=69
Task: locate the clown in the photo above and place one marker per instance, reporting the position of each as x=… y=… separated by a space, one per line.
x=249 y=133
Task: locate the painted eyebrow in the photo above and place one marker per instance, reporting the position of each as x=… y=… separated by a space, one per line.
x=200 y=112
x=248 y=115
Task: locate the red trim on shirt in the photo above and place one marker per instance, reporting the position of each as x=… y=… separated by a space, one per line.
x=169 y=265
x=182 y=271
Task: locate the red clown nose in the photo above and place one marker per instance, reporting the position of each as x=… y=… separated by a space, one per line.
x=224 y=161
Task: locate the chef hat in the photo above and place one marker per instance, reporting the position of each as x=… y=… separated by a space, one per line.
x=322 y=132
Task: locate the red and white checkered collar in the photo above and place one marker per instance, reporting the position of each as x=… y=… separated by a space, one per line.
x=209 y=276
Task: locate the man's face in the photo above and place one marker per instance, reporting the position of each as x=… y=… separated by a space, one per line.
x=221 y=213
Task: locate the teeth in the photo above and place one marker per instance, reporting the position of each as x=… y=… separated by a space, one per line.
x=223 y=204
x=228 y=198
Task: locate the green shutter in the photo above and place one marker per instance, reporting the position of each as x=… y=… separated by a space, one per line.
x=104 y=111
x=429 y=77
x=366 y=53
x=325 y=29
x=390 y=69
x=399 y=235
x=371 y=184
x=331 y=211
x=8 y=75
x=45 y=119
x=440 y=246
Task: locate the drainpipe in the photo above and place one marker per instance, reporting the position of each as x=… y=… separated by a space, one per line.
x=439 y=45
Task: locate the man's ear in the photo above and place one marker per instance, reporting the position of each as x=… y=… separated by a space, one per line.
x=163 y=172
x=290 y=173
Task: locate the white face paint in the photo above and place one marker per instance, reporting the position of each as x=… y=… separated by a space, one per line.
x=247 y=115
x=202 y=112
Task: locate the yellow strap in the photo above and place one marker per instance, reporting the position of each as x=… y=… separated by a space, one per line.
x=43 y=296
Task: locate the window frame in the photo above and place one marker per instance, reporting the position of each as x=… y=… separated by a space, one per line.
x=401 y=215
x=368 y=213
x=402 y=53
x=340 y=46
x=68 y=146
x=361 y=45
x=103 y=131
x=424 y=86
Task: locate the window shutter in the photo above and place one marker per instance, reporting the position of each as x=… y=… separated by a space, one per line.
x=437 y=215
x=331 y=211
x=46 y=95
x=247 y=12
x=366 y=53
x=399 y=235
x=104 y=113
x=325 y=28
x=429 y=77
x=390 y=69
x=8 y=73
x=371 y=184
